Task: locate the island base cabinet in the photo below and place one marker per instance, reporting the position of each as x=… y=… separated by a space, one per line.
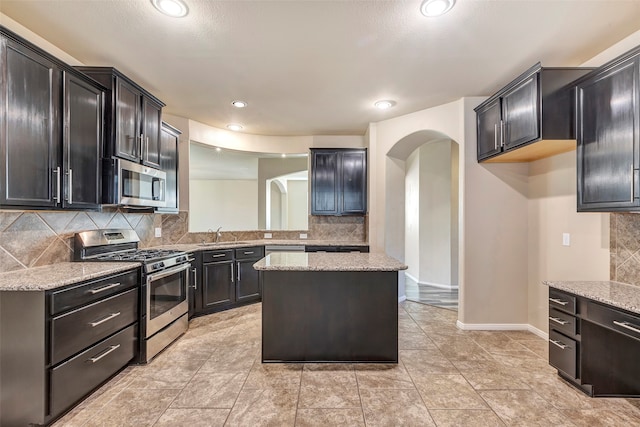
x=329 y=316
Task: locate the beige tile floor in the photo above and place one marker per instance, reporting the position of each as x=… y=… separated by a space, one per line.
x=213 y=376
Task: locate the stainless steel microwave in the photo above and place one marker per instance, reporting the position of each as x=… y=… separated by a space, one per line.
x=126 y=183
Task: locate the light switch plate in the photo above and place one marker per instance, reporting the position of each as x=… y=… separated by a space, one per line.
x=566 y=239
x=158 y=232
x=303 y=235
x=268 y=235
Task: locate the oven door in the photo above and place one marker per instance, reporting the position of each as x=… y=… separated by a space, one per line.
x=166 y=297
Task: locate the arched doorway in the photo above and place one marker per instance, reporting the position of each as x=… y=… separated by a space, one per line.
x=426 y=164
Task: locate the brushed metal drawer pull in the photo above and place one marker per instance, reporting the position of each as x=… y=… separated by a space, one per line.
x=558 y=343
x=558 y=320
x=558 y=301
x=248 y=253
x=106 y=319
x=218 y=255
x=495 y=137
x=627 y=325
x=103 y=288
x=110 y=350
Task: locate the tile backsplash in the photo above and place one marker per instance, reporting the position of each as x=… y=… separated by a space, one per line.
x=35 y=238
x=624 y=247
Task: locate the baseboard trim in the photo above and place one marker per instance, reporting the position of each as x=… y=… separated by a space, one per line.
x=435 y=285
x=502 y=327
x=402 y=298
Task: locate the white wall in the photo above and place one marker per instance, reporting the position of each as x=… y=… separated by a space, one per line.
x=412 y=215
x=297 y=204
x=276 y=198
x=216 y=203
x=269 y=168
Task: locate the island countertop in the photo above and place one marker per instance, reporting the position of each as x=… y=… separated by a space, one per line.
x=616 y=294
x=331 y=261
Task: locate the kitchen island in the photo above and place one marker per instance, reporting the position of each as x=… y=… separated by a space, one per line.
x=329 y=307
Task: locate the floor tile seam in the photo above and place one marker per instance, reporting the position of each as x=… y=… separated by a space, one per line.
x=418 y=391
x=295 y=417
x=168 y=406
x=226 y=420
x=505 y=422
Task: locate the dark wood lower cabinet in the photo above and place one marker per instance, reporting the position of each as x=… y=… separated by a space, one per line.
x=217 y=284
x=248 y=281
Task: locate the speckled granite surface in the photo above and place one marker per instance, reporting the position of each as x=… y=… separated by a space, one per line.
x=616 y=294
x=193 y=247
x=57 y=275
x=298 y=261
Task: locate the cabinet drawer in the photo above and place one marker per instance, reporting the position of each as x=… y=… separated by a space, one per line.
x=562 y=322
x=216 y=256
x=563 y=353
x=73 y=331
x=562 y=301
x=89 y=292
x=76 y=377
x=611 y=318
x=252 y=252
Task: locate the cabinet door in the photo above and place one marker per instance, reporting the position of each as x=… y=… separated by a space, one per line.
x=521 y=113
x=128 y=133
x=82 y=142
x=324 y=182
x=607 y=118
x=488 y=130
x=151 y=123
x=169 y=164
x=248 y=281
x=353 y=168
x=218 y=284
x=29 y=130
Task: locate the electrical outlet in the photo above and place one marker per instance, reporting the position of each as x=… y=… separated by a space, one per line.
x=303 y=235
x=268 y=235
x=566 y=239
x=158 y=232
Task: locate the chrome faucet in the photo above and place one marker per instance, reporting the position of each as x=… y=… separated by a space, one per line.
x=218 y=234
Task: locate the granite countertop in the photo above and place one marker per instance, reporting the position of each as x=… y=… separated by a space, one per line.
x=194 y=247
x=333 y=261
x=616 y=294
x=57 y=275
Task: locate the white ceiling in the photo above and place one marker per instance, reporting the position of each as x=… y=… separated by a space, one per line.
x=316 y=67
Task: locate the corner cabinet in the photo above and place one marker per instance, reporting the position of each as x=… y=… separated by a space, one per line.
x=169 y=164
x=608 y=126
x=338 y=181
x=51 y=120
x=133 y=118
x=513 y=119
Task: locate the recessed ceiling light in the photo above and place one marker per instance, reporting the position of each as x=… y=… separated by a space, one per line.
x=218 y=149
x=174 y=8
x=436 y=7
x=283 y=155
x=384 y=104
x=234 y=127
x=239 y=104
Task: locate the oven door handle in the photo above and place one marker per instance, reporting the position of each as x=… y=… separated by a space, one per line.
x=165 y=273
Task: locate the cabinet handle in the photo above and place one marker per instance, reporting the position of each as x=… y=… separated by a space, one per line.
x=627 y=325
x=632 y=179
x=232 y=281
x=239 y=271
x=141 y=143
x=57 y=196
x=70 y=173
x=558 y=301
x=248 y=253
x=195 y=278
x=558 y=344
x=558 y=320
x=218 y=255
x=502 y=126
x=495 y=137
x=106 y=319
x=103 y=288
x=111 y=349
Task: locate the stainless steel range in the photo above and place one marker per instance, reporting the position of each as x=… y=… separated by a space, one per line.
x=164 y=306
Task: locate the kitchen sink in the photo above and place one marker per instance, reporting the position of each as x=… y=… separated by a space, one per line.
x=223 y=243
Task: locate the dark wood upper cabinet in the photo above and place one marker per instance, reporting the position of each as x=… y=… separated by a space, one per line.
x=82 y=142
x=51 y=119
x=134 y=117
x=338 y=181
x=530 y=118
x=169 y=164
x=608 y=123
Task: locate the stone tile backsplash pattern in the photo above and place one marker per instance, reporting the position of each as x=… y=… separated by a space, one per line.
x=624 y=248
x=36 y=238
